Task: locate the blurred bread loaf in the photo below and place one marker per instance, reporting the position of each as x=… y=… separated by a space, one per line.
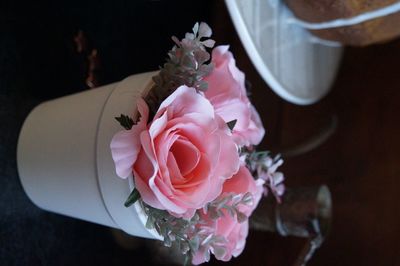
x=372 y=31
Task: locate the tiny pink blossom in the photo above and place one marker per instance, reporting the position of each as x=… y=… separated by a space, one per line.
x=267 y=171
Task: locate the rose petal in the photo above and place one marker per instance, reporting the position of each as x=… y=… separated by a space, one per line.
x=143 y=111
x=233 y=109
x=229 y=162
x=158 y=125
x=152 y=183
x=125 y=146
x=186 y=154
x=241 y=242
x=142 y=171
x=185 y=100
x=174 y=172
x=241 y=183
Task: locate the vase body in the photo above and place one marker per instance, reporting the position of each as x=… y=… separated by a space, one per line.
x=64 y=158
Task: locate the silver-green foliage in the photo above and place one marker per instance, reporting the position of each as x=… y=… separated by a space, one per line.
x=187 y=64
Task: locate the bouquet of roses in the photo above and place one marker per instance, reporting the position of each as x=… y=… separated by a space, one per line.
x=191 y=152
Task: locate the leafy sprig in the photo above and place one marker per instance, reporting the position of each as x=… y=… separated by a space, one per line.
x=187 y=64
x=188 y=235
x=264 y=167
x=229 y=203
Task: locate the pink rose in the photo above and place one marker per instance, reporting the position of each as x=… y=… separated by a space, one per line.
x=227 y=93
x=234 y=232
x=181 y=159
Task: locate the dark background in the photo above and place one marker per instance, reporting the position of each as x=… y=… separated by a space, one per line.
x=38 y=61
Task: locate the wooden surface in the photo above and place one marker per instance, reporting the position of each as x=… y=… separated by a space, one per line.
x=360 y=162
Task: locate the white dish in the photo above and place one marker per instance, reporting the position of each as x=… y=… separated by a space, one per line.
x=297 y=66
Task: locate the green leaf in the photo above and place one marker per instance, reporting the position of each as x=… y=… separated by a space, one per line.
x=125 y=121
x=203 y=86
x=231 y=211
x=231 y=124
x=219 y=252
x=187 y=261
x=194 y=243
x=133 y=197
x=167 y=241
x=149 y=223
x=241 y=217
x=185 y=247
x=207 y=254
x=247 y=199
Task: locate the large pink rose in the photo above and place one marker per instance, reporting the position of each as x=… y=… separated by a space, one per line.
x=234 y=232
x=181 y=159
x=227 y=93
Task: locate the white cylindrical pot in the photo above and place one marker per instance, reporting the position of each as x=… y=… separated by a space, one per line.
x=64 y=157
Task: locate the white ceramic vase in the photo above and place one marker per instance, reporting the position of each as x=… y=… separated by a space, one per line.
x=64 y=158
